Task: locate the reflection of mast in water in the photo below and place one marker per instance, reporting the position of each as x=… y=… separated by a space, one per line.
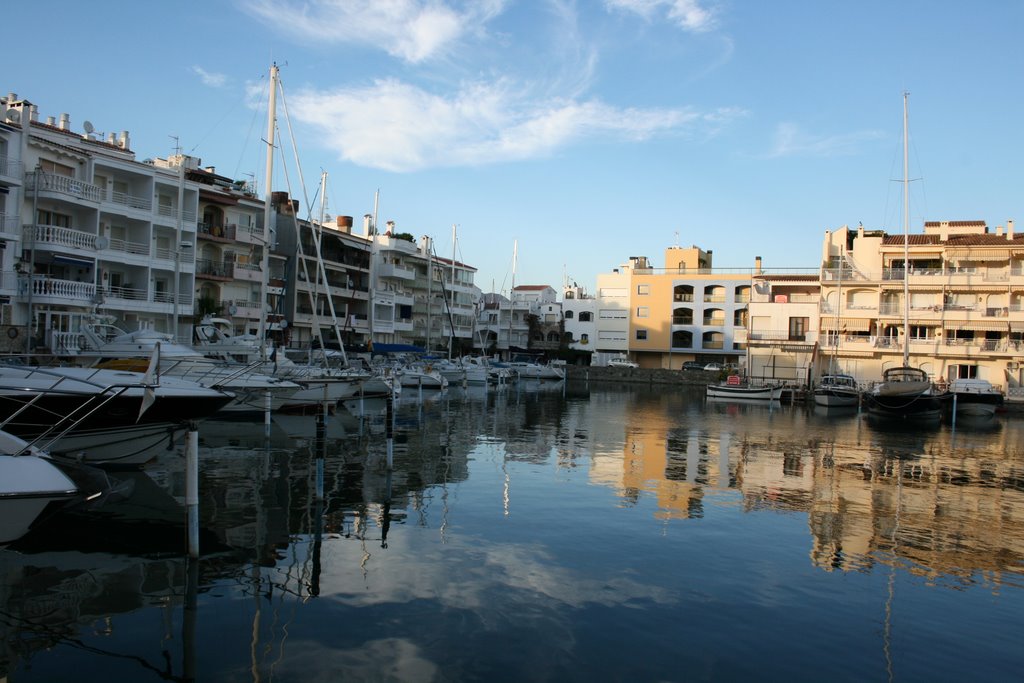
x=692 y=456
x=887 y=633
x=724 y=440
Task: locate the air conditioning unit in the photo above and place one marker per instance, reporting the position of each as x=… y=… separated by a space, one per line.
x=5 y=314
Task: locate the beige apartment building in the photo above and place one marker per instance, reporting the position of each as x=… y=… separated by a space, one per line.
x=963 y=299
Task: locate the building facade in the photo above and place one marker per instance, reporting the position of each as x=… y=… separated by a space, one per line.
x=960 y=312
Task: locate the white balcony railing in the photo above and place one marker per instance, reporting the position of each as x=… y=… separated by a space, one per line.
x=132 y=202
x=65 y=290
x=50 y=182
x=10 y=168
x=62 y=237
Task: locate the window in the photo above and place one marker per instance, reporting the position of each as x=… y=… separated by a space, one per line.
x=612 y=314
x=60 y=220
x=920 y=332
x=568 y=315
x=963 y=372
x=798 y=329
x=584 y=338
x=643 y=312
x=585 y=317
x=643 y=290
x=641 y=335
x=55 y=168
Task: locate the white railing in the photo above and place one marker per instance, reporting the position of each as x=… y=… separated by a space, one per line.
x=125 y=293
x=9 y=225
x=63 y=185
x=60 y=289
x=132 y=202
x=126 y=247
x=64 y=237
x=9 y=167
x=172 y=212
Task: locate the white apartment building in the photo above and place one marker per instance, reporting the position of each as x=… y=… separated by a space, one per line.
x=89 y=230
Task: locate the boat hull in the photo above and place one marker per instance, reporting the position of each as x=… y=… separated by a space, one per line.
x=767 y=393
x=836 y=398
x=921 y=408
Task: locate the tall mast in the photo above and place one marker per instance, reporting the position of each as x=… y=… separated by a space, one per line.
x=906 y=237
x=451 y=320
x=512 y=296
x=267 y=208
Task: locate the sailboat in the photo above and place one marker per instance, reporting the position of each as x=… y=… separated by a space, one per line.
x=836 y=390
x=905 y=392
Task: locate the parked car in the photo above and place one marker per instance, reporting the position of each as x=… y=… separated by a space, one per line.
x=713 y=367
x=693 y=365
x=622 y=363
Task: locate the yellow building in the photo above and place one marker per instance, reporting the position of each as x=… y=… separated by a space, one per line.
x=687 y=310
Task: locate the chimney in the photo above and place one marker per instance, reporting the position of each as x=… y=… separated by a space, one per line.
x=51 y=121
x=33 y=113
x=65 y=122
x=391 y=227
x=1009 y=229
x=757 y=265
x=367 y=224
x=344 y=224
x=999 y=231
x=123 y=141
x=112 y=139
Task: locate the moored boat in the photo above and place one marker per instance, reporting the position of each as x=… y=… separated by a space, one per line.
x=837 y=390
x=735 y=387
x=975 y=397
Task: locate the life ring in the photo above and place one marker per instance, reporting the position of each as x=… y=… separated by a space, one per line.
x=12 y=332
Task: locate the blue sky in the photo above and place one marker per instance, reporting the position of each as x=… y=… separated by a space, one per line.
x=587 y=131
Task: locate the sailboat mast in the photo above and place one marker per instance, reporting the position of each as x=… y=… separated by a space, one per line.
x=906 y=235
x=512 y=295
x=267 y=208
x=451 y=321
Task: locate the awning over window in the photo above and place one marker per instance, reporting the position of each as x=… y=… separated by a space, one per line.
x=997 y=254
x=846 y=324
x=73 y=261
x=977 y=326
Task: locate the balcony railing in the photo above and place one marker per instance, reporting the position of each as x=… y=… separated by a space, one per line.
x=211 y=268
x=172 y=212
x=225 y=232
x=65 y=290
x=131 y=201
x=52 y=182
x=9 y=167
x=10 y=225
x=63 y=237
x=139 y=248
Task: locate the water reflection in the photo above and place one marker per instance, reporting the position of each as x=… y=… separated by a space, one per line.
x=540 y=517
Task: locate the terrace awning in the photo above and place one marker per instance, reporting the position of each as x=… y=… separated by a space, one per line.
x=846 y=324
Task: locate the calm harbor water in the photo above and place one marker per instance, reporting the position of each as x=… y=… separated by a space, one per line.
x=579 y=534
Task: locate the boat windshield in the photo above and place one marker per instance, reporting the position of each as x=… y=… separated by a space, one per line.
x=904 y=374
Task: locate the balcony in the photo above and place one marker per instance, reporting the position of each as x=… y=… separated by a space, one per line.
x=215 y=270
x=217 y=232
x=396 y=271
x=131 y=201
x=62 y=187
x=10 y=170
x=171 y=212
x=10 y=227
x=59 y=237
x=251 y=272
x=50 y=290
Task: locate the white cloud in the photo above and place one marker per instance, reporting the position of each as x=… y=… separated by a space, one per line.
x=689 y=14
x=214 y=80
x=790 y=140
x=396 y=126
x=411 y=30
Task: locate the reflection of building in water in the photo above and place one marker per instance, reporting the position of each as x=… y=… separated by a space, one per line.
x=958 y=516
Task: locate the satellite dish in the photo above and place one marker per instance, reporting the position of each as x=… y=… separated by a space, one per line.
x=13 y=115
x=232 y=309
x=102 y=243
x=88 y=127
